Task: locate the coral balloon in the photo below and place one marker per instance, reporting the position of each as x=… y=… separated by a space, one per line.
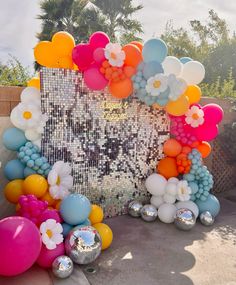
x=35 y=185
x=129 y=71
x=105 y=233
x=133 y=55
x=167 y=167
x=94 y=79
x=82 y=56
x=178 y=107
x=63 y=43
x=204 y=148
x=194 y=93
x=96 y=214
x=122 y=89
x=45 y=54
x=13 y=190
x=172 y=148
x=137 y=44
x=98 y=40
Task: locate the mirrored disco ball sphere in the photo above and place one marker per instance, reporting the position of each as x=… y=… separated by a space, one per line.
x=62 y=266
x=149 y=213
x=184 y=219
x=134 y=209
x=207 y=219
x=83 y=245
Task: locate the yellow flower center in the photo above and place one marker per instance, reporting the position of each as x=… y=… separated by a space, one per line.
x=49 y=233
x=113 y=55
x=182 y=190
x=156 y=83
x=27 y=115
x=195 y=116
x=58 y=180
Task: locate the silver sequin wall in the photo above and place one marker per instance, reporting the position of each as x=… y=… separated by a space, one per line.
x=112 y=145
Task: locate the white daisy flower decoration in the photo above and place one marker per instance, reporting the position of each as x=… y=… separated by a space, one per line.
x=177 y=87
x=60 y=180
x=114 y=54
x=157 y=84
x=51 y=232
x=183 y=191
x=194 y=117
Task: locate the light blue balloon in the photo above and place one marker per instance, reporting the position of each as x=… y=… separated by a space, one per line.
x=75 y=209
x=162 y=102
x=211 y=204
x=84 y=224
x=14 y=169
x=66 y=229
x=194 y=187
x=14 y=139
x=185 y=59
x=28 y=171
x=152 y=68
x=154 y=50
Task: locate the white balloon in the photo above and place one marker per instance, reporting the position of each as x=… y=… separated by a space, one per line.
x=156 y=184
x=14 y=119
x=30 y=94
x=188 y=205
x=171 y=189
x=156 y=201
x=168 y=198
x=32 y=134
x=38 y=143
x=193 y=72
x=173 y=180
x=172 y=65
x=166 y=213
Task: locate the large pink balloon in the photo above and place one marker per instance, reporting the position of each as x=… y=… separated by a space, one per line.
x=206 y=132
x=46 y=256
x=94 y=79
x=213 y=113
x=98 y=55
x=98 y=39
x=82 y=56
x=20 y=245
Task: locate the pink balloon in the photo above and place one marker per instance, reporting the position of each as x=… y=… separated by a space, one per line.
x=46 y=256
x=50 y=214
x=213 y=113
x=98 y=55
x=20 y=245
x=94 y=79
x=98 y=39
x=82 y=56
x=207 y=132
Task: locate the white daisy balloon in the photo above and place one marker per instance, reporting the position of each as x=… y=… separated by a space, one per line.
x=194 y=117
x=51 y=232
x=183 y=191
x=114 y=54
x=157 y=84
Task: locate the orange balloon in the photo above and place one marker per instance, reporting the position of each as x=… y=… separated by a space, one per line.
x=204 y=148
x=167 y=167
x=156 y=106
x=45 y=54
x=194 y=93
x=178 y=107
x=63 y=43
x=129 y=71
x=121 y=89
x=133 y=55
x=172 y=148
x=65 y=62
x=47 y=197
x=34 y=82
x=138 y=44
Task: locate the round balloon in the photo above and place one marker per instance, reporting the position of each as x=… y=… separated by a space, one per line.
x=193 y=72
x=34 y=82
x=96 y=214
x=172 y=65
x=172 y=148
x=188 y=205
x=168 y=167
x=98 y=40
x=178 y=107
x=47 y=256
x=14 y=169
x=185 y=59
x=211 y=205
x=155 y=184
x=30 y=94
x=154 y=50
x=166 y=213
x=133 y=55
x=105 y=233
x=13 y=139
x=122 y=89
x=35 y=184
x=13 y=190
x=94 y=79
x=194 y=93
x=82 y=56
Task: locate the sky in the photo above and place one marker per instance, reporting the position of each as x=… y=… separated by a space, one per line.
x=19 y=23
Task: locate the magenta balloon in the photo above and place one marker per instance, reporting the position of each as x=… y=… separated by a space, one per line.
x=98 y=55
x=82 y=56
x=50 y=214
x=213 y=113
x=98 y=39
x=94 y=79
x=46 y=256
x=206 y=132
x=20 y=245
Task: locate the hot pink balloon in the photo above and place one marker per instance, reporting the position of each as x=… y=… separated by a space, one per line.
x=206 y=132
x=20 y=245
x=50 y=214
x=46 y=256
x=94 y=79
x=213 y=113
x=98 y=55
x=82 y=56
x=98 y=39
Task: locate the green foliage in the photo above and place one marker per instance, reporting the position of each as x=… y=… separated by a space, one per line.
x=14 y=74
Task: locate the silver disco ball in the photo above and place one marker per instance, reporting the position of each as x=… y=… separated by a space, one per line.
x=207 y=219
x=149 y=213
x=134 y=209
x=184 y=219
x=83 y=245
x=62 y=266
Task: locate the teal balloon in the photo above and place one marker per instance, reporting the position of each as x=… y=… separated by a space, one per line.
x=162 y=102
x=154 y=50
x=185 y=59
x=152 y=68
x=66 y=229
x=13 y=139
x=86 y=223
x=14 y=169
x=75 y=209
x=28 y=171
x=211 y=204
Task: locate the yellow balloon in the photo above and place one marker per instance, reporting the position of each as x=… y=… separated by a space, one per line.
x=47 y=197
x=96 y=214
x=13 y=190
x=156 y=106
x=34 y=82
x=35 y=184
x=45 y=54
x=105 y=233
x=194 y=93
x=63 y=43
x=178 y=107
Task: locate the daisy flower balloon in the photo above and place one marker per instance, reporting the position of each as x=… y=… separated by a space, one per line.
x=51 y=232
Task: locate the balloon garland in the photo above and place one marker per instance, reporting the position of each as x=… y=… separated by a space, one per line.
x=50 y=216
